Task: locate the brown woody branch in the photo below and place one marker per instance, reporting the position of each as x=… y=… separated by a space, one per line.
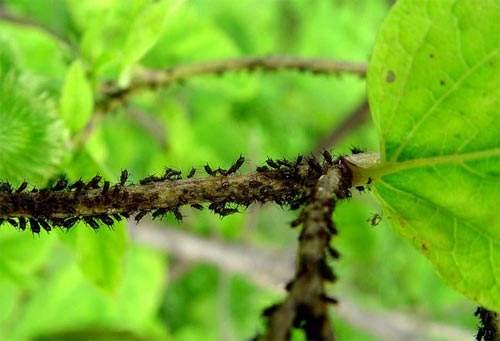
x=306 y=305
x=152 y=79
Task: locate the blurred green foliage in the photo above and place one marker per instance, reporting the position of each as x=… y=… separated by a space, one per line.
x=85 y=284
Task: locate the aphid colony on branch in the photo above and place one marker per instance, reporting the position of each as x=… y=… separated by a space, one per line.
x=303 y=171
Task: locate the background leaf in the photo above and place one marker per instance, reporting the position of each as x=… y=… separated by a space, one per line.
x=434 y=87
x=77 y=100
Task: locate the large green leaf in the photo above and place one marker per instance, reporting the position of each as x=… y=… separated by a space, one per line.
x=434 y=87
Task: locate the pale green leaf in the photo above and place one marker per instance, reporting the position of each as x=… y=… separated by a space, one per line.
x=434 y=89
x=77 y=100
x=145 y=31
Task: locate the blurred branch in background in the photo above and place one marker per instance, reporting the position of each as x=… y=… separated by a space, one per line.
x=270 y=269
x=352 y=121
x=151 y=79
x=113 y=96
x=12 y=18
x=154 y=127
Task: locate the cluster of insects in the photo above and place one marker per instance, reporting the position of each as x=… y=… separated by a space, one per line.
x=303 y=171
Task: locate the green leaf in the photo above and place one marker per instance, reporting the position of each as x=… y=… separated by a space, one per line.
x=101 y=254
x=145 y=31
x=77 y=101
x=32 y=139
x=434 y=92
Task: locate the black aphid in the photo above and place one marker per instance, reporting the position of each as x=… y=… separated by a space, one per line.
x=197 y=206
x=177 y=214
x=117 y=216
x=272 y=164
x=333 y=253
x=234 y=168
x=123 y=177
x=328 y=157
x=35 y=227
x=12 y=222
x=70 y=222
x=22 y=187
x=150 y=179
x=209 y=170
x=262 y=169
x=140 y=215
x=159 y=212
x=44 y=224
x=91 y=222
x=106 y=219
x=325 y=271
x=5 y=187
x=299 y=160
x=94 y=182
x=78 y=185
x=191 y=173
x=60 y=184
x=328 y=299
x=314 y=164
x=22 y=223
x=105 y=188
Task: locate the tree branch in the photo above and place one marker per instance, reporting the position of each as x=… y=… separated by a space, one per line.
x=63 y=205
x=306 y=305
x=151 y=79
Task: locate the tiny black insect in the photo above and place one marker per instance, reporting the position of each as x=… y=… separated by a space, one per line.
x=91 y=222
x=328 y=299
x=60 y=184
x=177 y=214
x=22 y=223
x=284 y=163
x=236 y=165
x=78 y=185
x=272 y=164
x=140 y=215
x=5 y=187
x=159 y=212
x=360 y=189
x=44 y=224
x=12 y=222
x=325 y=271
x=70 y=222
x=328 y=157
x=262 y=169
x=369 y=181
x=105 y=188
x=22 y=187
x=172 y=174
x=117 y=216
x=269 y=311
x=333 y=253
x=149 y=179
x=123 y=177
x=209 y=170
x=94 y=182
x=106 y=219
x=35 y=227
x=356 y=150
x=299 y=160
x=313 y=163
x=191 y=173
x=197 y=206
x=375 y=219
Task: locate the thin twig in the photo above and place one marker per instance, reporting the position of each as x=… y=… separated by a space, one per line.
x=6 y=16
x=306 y=305
x=151 y=79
